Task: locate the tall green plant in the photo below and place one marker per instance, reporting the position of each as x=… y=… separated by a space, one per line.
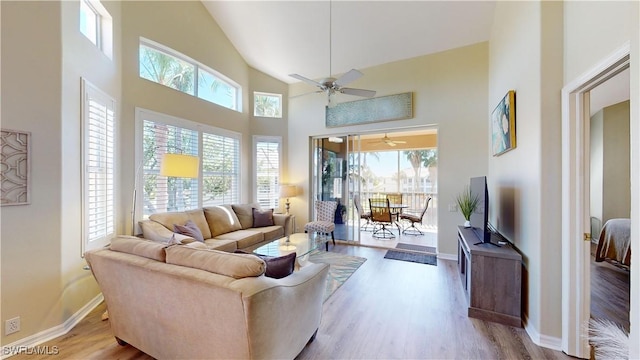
x=467 y=202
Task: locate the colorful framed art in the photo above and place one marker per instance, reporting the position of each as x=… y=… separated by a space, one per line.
x=503 y=125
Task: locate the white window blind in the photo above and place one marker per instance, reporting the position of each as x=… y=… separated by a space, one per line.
x=221 y=169
x=267 y=170
x=162 y=193
x=218 y=153
x=98 y=159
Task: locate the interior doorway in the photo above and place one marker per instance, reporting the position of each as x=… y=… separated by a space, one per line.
x=358 y=167
x=576 y=212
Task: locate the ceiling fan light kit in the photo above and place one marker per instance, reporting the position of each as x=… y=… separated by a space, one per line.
x=330 y=85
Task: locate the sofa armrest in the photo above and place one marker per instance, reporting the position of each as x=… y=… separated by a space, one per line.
x=155 y=231
x=284 y=220
x=288 y=308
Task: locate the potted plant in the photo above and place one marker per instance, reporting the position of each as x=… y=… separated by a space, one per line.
x=467 y=204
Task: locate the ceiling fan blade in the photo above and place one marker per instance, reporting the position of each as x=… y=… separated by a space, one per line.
x=305 y=94
x=398 y=141
x=348 y=77
x=391 y=143
x=308 y=81
x=358 y=92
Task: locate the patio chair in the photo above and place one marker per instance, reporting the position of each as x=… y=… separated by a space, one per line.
x=324 y=224
x=363 y=215
x=415 y=219
x=381 y=217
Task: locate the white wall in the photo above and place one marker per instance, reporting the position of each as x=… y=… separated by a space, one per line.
x=527 y=57
x=585 y=46
x=450 y=91
x=44 y=56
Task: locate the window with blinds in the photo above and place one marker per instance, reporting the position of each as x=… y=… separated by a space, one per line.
x=167 y=193
x=218 y=153
x=267 y=154
x=98 y=119
x=220 y=169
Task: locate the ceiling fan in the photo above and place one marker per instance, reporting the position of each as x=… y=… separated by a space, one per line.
x=331 y=85
x=387 y=140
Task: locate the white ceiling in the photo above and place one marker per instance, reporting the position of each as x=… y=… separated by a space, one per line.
x=285 y=37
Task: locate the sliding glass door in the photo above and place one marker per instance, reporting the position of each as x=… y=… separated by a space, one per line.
x=334 y=178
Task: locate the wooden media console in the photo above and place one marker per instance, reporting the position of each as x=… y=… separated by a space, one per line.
x=491 y=277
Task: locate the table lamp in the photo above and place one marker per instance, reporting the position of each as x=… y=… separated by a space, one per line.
x=288 y=191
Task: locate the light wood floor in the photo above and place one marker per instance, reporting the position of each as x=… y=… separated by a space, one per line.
x=388 y=309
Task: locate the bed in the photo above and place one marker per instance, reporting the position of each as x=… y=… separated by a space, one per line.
x=614 y=243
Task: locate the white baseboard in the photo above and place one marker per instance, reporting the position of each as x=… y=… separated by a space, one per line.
x=550 y=342
x=27 y=344
x=444 y=256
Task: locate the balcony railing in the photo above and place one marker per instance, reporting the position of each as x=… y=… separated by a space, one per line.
x=413 y=200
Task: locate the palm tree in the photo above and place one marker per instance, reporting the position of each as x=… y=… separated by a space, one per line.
x=166 y=70
x=419 y=159
x=267 y=106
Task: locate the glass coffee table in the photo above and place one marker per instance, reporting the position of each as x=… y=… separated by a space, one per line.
x=300 y=243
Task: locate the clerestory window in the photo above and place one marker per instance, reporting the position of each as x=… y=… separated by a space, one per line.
x=170 y=68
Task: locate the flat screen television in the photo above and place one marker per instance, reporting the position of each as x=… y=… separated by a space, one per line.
x=480 y=217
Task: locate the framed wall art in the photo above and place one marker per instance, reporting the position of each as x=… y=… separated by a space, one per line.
x=383 y=108
x=15 y=167
x=503 y=124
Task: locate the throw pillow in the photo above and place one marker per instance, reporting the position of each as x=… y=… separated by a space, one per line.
x=262 y=218
x=277 y=267
x=190 y=229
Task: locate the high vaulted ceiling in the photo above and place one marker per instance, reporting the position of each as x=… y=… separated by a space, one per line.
x=284 y=37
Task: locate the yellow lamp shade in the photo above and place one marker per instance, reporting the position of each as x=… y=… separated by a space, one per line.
x=179 y=165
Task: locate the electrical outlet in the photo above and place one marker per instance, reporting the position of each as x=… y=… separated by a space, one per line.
x=12 y=325
x=453 y=207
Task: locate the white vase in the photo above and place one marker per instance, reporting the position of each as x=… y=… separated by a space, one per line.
x=467 y=224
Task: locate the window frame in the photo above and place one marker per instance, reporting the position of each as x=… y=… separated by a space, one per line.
x=269 y=139
x=103 y=26
x=89 y=91
x=145 y=114
x=237 y=97
x=262 y=93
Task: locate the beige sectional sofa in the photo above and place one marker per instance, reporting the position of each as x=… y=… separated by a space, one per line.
x=183 y=302
x=224 y=227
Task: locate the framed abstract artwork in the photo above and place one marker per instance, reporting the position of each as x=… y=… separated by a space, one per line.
x=15 y=167
x=503 y=124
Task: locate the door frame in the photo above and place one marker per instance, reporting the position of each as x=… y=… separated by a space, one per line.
x=576 y=289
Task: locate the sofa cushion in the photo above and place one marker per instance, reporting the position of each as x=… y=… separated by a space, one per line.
x=157 y=232
x=221 y=219
x=244 y=238
x=222 y=245
x=190 y=229
x=262 y=218
x=244 y=212
x=270 y=232
x=237 y=266
x=137 y=246
x=181 y=217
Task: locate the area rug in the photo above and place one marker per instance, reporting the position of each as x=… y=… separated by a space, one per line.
x=341 y=267
x=429 y=259
x=427 y=249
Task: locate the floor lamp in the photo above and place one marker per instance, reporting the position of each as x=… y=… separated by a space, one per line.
x=174 y=165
